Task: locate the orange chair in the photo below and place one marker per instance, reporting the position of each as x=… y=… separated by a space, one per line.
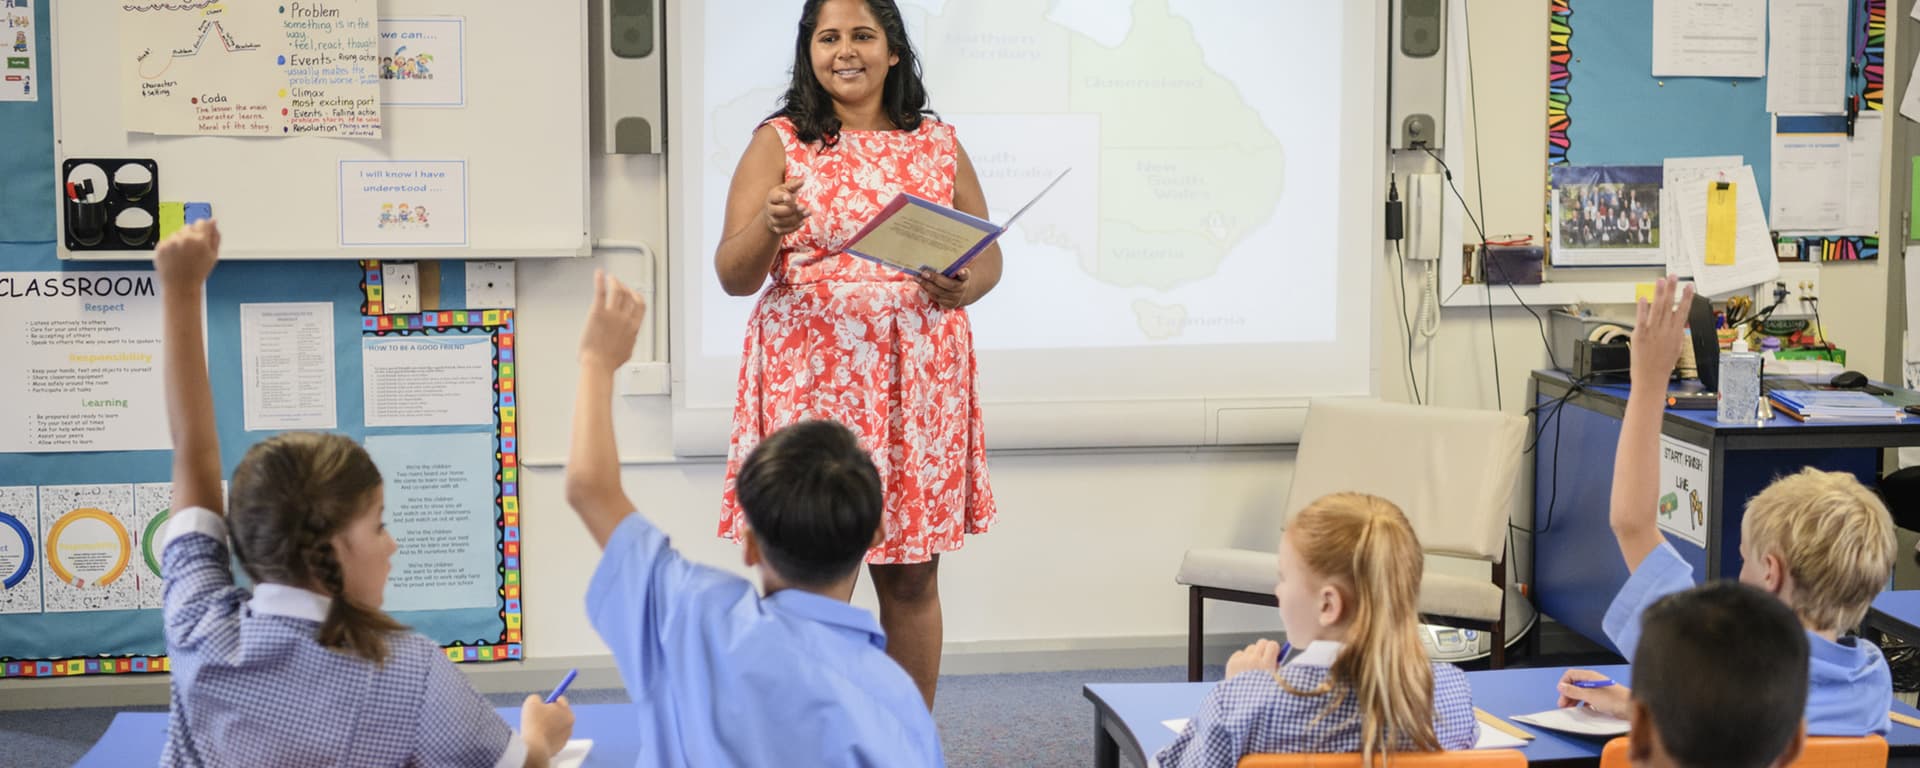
x=1821 y=752
x=1484 y=758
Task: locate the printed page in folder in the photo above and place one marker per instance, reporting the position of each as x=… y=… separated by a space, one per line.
x=913 y=233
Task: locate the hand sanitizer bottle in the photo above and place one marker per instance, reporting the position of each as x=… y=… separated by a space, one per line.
x=1739 y=385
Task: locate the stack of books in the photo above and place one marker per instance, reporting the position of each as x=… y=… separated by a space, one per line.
x=1833 y=405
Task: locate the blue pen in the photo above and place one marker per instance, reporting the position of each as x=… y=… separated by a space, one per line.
x=562 y=689
x=1600 y=683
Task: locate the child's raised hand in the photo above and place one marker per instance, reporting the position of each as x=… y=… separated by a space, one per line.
x=1262 y=655
x=1659 y=330
x=612 y=323
x=1614 y=700
x=546 y=727
x=187 y=257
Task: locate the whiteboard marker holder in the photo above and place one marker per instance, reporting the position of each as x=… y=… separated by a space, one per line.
x=109 y=204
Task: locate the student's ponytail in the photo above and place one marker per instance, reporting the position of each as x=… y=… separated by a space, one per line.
x=349 y=626
x=292 y=494
x=1365 y=544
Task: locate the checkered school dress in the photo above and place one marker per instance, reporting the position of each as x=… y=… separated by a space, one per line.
x=1250 y=713
x=251 y=686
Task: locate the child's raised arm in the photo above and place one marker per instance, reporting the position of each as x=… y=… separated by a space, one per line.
x=593 y=466
x=183 y=262
x=1658 y=332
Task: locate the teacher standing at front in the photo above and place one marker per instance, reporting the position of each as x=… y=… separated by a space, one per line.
x=838 y=337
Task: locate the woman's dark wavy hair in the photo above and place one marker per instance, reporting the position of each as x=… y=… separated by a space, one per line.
x=903 y=97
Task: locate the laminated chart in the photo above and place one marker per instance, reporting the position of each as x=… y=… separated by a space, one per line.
x=19 y=560
x=86 y=534
x=152 y=503
x=250 y=68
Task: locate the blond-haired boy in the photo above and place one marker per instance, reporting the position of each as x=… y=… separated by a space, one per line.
x=1820 y=541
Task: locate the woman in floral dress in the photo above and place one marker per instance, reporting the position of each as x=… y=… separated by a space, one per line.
x=837 y=337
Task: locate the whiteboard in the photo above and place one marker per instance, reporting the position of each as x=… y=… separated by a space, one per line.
x=1206 y=269
x=521 y=137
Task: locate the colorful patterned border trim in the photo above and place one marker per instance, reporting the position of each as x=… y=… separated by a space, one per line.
x=1559 y=78
x=506 y=455
x=97 y=665
x=1841 y=248
x=1876 y=63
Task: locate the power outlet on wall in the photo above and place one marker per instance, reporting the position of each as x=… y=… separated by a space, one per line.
x=1802 y=281
x=489 y=285
x=400 y=287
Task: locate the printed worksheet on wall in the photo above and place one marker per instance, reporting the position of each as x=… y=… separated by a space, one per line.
x=1807 y=57
x=1709 y=38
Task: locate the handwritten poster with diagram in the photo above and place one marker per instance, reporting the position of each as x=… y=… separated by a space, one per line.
x=250 y=68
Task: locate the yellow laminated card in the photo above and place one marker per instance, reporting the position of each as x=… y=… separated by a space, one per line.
x=1722 y=218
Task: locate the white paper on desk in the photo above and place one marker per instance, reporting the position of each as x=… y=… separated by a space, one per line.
x=1675 y=171
x=1580 y=720
x=1709 y=38
x=1754 y=260
x=572 y=755
x=1178 y=725
x=1864 y=170
x=1807 y=57
x=1494 y=738
x=1810 y=182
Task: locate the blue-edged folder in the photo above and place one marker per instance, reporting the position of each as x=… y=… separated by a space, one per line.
x=913 y=233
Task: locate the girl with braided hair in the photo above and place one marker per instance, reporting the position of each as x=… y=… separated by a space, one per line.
x=305 y=669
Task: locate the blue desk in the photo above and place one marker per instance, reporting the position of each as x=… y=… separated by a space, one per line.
x=137 y=738
x=1128 y=716
x=1897 y=613
x=1577 y=570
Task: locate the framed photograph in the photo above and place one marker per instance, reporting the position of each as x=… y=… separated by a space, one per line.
x=1606 y=215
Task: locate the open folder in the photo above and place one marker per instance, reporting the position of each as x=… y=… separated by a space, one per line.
x=913 y=233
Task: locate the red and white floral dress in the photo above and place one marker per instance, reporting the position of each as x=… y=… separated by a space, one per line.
x=838 y=337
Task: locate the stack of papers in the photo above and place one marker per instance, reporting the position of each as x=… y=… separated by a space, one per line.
x=1577 y=720
x=1683 y=225
x=1833 y=405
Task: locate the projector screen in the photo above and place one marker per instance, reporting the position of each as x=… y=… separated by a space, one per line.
x=1204 y=268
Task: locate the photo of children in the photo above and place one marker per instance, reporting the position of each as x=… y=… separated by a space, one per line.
x=405 y=216
x=1606 y=215
x=402 y=67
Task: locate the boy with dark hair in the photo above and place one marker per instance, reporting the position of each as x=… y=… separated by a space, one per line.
x=1719 y=681
x=722 y=674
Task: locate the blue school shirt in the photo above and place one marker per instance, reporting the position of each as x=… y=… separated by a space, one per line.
x=1250 y=713
x=724 y=677
x=1849 y=688
x=252 y=687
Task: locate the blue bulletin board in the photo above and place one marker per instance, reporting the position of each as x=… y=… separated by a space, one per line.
x=44 y=644
x=1605 y=108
